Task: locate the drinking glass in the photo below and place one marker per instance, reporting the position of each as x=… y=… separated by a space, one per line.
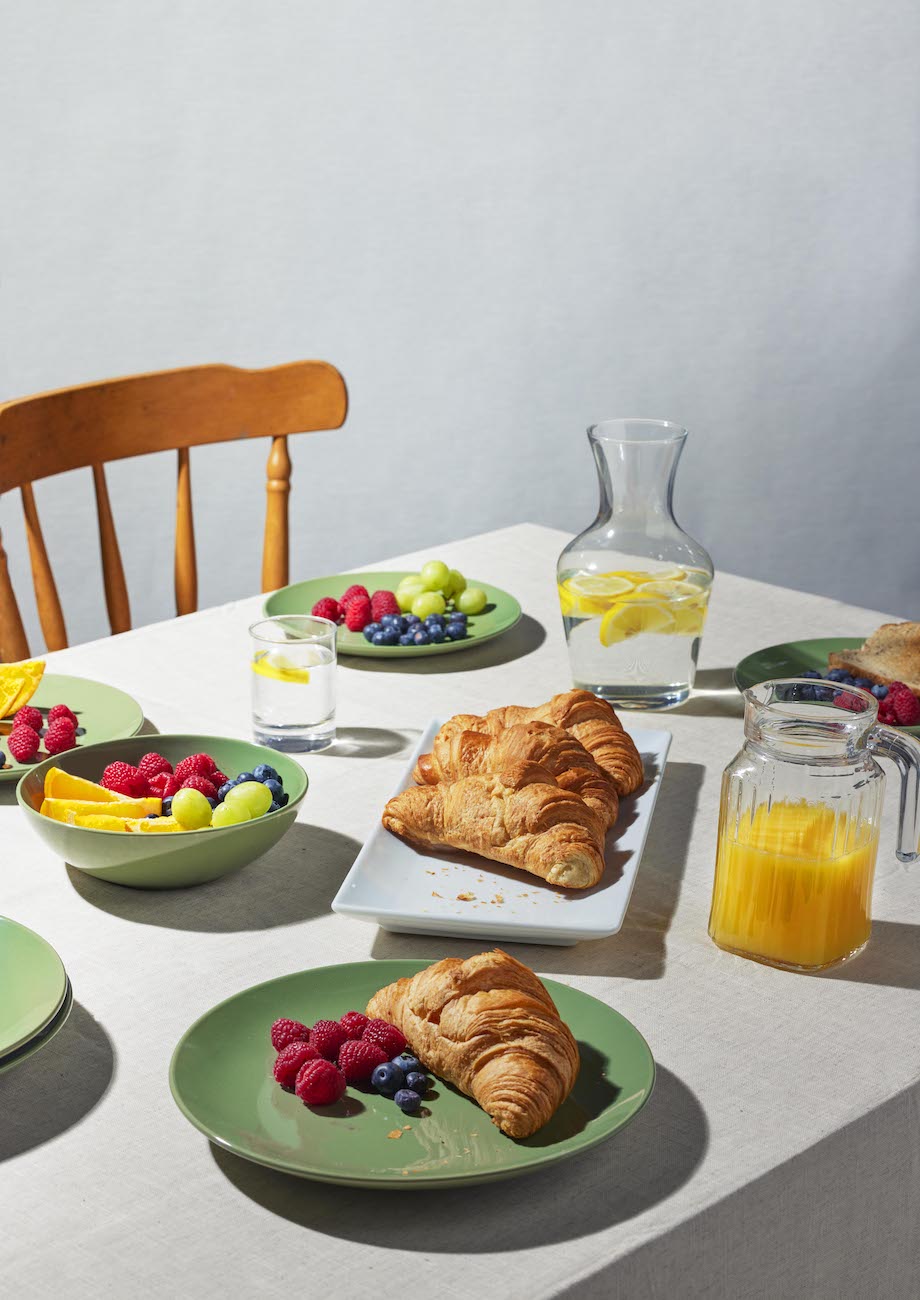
x=293 y=682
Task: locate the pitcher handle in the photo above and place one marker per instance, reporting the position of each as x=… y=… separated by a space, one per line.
x=904 y=752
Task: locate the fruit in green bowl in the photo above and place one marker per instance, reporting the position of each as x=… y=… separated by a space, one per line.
x=472 y=600
x=164 y=861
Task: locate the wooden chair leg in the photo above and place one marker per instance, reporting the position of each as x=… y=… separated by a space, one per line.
x=276 y=547
x=13 y=643
x=50 y=614
x=113 y=573
x=186 y=572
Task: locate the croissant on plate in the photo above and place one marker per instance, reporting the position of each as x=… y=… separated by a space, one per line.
x=519 y=816
x=457 y=752
x=488 y=1026
x=590 y=720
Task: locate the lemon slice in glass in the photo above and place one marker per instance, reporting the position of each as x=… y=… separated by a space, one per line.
x=630 y=619
x=279 y=668
x=641 y=576
x=671 y=589
x=592 y=593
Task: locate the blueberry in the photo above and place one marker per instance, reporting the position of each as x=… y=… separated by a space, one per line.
x=879 y=691
x=807 y=692
x=167 y=807
x=407 y=1100
x=412 y=620
x=243 y=776
x=455 y=632
x=418 y=1082
x=863 y=682
x=436 y=635
x=371 y=631
x=224 y=791
x=377 y=638
x=152 y=816
x=212 y=802
x=457 y=617
x=435 y=620
x=420 y=636
x=846 y=679
x=275 y=807
x=406 y=1062
x=275 y=789
x=406 y=639
x=811 y=673
x=283 y=798
x=823 y=694
x=265 y=772
x=388 y=1079
x=390 y=637
x=390 y=620
x=836 y=675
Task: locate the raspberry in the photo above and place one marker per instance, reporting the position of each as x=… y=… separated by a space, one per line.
x=285 y=1032
x=327 y=608
x=902 y=702
x=29 y=717
x=122 y=778
x=358 y=614
x=61 y=711
x=354 y=1023
x=319 y=1083
x=851 y=701
x=383 y=602
x=164 y=785
x=392 y=1040
x=200 y=783
x=217 y=779
x=195 y=765
x=290 y=1060
x=327 y=1036
x=23 y=743
x=358 y=1061
x=354 y=590
x=60 y=736
x=152 y=765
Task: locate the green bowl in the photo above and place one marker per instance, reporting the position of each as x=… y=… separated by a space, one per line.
x=163 y=861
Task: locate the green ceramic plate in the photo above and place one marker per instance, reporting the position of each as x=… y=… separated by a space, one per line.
x=170 y=861
x=221 y=1080
x=42 y=1038
x=104 y=713
x=791 y=658
x=500 y=615
x=33 y=984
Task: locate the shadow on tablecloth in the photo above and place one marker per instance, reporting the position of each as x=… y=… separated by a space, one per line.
x=891 y=958
x=294 y=881
x=714 y=695
x=619 y=1179
x=521 y=640
x=639 y=950
x=56 y=1088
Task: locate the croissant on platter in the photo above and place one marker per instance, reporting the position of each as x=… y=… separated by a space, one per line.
x=457 y=752
x=519 y=816
x=488 y=1026
x=590 y=720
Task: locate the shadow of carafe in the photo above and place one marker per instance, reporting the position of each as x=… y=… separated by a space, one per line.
x=714 y=695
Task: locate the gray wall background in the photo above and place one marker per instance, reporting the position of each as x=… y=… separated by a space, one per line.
x=502 y=221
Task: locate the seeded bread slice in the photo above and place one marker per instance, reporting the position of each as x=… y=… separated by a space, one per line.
x=891 y=654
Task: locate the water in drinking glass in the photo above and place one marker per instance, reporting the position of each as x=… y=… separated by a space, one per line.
x=293 y=682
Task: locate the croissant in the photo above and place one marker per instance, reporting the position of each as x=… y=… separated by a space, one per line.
x=518 y=816
x=456 y=752
x=488 y=1026
x=590 y=720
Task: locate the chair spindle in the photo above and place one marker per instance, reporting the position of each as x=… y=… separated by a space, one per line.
x=50 y=614
x=113 y=573
x=276 y=546
x=13 y=643
x=186 y=570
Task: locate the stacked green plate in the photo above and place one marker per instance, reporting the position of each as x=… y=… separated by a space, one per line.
x=36 y=995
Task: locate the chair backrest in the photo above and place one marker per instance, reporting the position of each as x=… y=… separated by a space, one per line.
x=86 y=426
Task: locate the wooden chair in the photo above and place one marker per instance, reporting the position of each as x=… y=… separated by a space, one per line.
x=85 y=426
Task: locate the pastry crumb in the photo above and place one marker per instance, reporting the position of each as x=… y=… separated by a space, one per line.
x=406 y=1127
x=498 y=899
x=466 y=897
x=395 y=1133
x=430 y=873
x=435 y=894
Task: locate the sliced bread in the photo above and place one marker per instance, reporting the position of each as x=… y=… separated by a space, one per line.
x=891 y=654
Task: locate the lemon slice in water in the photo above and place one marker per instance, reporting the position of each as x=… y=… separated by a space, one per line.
x=591 y=593
x=630 y=619
x=280 y=669
x=671 y=589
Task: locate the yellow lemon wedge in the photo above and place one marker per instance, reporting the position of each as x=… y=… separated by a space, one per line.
x=157 y=826
x=591 y=593
x=97 y=821
x=630 y=619
x=672 y=589
x=18 y=683
x=638 y=577
x=689 y=621
x=279 y=669
x=62 y=785
x=59 y=810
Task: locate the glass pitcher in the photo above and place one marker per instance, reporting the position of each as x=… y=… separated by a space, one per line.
x=634 y=587
x=799 y=824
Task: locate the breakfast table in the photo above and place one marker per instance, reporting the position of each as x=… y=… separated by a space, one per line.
x=778 y=1155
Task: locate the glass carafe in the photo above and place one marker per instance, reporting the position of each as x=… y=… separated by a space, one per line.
x=634 y=587
x=799 y=824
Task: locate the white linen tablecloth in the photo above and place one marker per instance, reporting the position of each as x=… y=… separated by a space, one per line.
x=778 y=1156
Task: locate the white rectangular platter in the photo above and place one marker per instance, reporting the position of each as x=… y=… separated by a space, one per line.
x=408 y=890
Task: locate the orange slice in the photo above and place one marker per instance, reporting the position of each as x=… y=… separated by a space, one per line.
x=158 y=826
x=18 y=683
x=60 y=810
x=62 y=785
x=97 y=822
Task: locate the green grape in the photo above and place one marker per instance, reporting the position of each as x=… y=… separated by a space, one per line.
x=410 y=580
x=251 y=795
x=456 y=583
x=405 y=595
x=229 y=814
x=472 y=600
x=435 y=575
x=429 y=602
x=191 y=810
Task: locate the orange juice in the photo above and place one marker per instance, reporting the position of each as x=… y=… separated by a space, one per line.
x=793 y=884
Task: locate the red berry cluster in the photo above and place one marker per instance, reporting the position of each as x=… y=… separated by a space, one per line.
x=318 y=1063
x=357 y=607
x=25 y=738
x=154 y=775
x=900 y=707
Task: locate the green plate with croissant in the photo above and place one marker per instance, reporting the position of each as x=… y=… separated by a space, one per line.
x=221 y=1079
